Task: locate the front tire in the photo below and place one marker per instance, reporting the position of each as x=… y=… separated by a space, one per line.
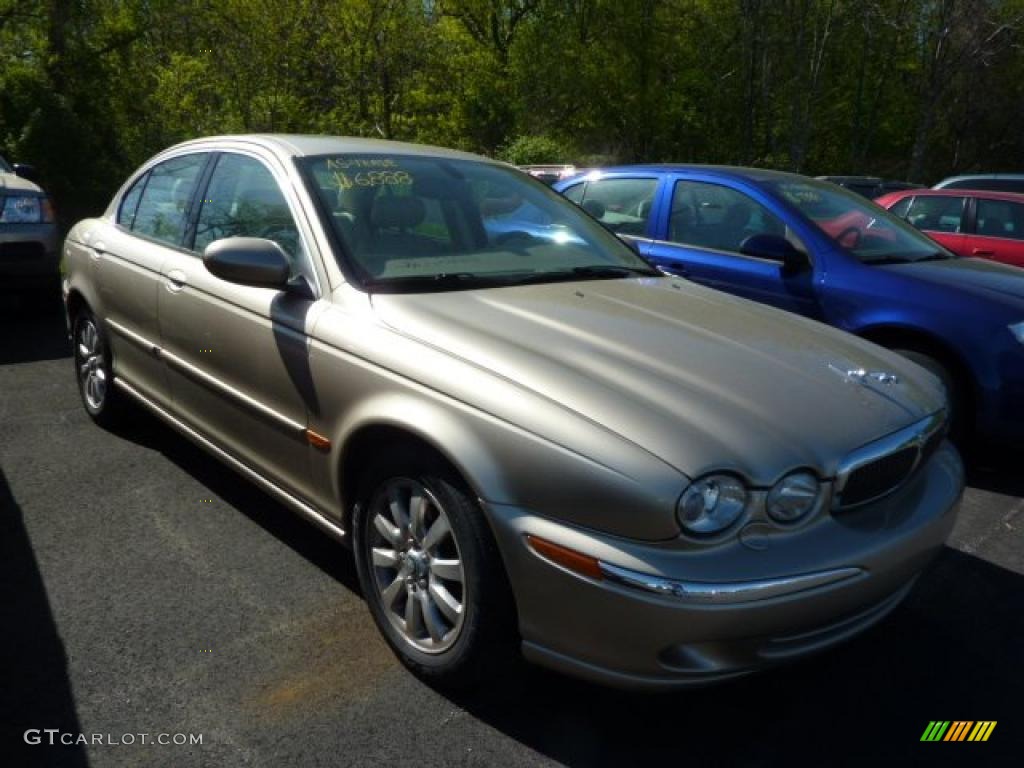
x=432 y=575
x=94 y=371
x=954 y=392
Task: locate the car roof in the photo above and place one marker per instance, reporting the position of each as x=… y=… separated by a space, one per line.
x=724 y=171
x=851 y=179
x=1010 y=197
x=302 y=145
x=978 y=177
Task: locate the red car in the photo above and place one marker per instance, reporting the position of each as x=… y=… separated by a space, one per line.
x=969 y=222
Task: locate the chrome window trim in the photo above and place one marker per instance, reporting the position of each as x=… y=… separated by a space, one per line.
x=277 y=168
x=915 y=435
x=725 y=593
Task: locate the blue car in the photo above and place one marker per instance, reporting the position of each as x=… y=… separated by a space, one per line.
x=812 y=248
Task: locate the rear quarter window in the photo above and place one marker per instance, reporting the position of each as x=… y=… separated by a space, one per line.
x=130 y=202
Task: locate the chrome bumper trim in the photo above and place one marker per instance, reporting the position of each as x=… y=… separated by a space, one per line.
x=725 y=593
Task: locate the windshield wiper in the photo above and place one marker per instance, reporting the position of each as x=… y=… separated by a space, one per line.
x=887 y=260
x=935 y=256
x=590 y=272
x=439 y=282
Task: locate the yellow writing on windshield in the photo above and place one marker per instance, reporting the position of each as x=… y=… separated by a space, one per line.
x=344 y=180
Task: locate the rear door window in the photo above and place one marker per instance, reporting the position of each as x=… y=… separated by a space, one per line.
x=164 y=203
x=622 y=205
x=999 y=218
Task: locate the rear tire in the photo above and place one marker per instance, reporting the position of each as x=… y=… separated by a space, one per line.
x=94 y=371
x=432 y=574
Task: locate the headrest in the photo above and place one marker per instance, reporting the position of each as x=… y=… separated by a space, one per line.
x=390 y=211
x=180 y=192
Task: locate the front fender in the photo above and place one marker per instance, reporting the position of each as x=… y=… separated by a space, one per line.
x=610 y=485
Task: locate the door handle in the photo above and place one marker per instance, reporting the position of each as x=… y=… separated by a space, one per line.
x=176 y=280
x=97 y=251
x=982 y=252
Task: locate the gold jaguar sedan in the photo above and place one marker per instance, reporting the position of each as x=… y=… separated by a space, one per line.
x=529 y=437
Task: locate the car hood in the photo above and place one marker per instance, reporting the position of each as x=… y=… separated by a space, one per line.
x=978 y=276
x=9 y=182
x=701 y=379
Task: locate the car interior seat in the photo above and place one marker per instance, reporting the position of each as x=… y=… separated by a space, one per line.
x=733 y=229
x=682 y=223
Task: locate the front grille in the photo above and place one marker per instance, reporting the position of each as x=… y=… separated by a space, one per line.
x=879 y=477
x=21 y=251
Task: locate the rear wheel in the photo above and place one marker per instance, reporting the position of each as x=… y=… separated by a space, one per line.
x=432 y=574
x=94 y=370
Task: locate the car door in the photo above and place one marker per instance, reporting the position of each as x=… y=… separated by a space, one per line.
x=237 y=355
x=942 y=218
x=701 y=229
x=128 y=257
x=998 y=231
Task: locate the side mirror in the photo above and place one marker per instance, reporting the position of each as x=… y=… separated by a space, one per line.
x=775 y=248
x=249 y=261
x=28 y=172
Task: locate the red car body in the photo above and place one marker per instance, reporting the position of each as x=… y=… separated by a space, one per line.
x=978 y=223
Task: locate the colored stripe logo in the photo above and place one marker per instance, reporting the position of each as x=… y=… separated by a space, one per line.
x=958 y=730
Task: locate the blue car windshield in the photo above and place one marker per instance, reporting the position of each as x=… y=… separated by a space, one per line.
x=858 y=226
x=421 y=223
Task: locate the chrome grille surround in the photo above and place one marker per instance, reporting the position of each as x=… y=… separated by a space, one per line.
x=910 y=446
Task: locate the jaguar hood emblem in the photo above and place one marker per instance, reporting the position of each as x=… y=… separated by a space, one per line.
x=863 y=376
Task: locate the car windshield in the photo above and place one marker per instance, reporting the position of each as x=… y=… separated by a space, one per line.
x=4 y=167
x=420 y=223
x=858 y=226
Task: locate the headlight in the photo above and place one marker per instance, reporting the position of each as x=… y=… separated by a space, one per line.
x=22 y=210
x=793 y=497
x=711 y=504
x=1017 y=329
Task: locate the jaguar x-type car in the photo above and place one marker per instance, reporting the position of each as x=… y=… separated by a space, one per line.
x=531 y=441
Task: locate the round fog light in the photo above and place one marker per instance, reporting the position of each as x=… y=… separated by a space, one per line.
x=711 y=504
x=793 y=497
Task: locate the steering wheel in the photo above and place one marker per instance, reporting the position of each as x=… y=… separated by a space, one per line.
x=851 y=230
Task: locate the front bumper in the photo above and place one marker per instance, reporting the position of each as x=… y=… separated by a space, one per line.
x=29 y=250
x=785 y=595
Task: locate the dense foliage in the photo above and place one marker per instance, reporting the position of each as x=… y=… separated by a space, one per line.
x=905 y=88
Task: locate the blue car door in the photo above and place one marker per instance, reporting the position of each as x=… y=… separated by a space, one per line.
x=700 y=228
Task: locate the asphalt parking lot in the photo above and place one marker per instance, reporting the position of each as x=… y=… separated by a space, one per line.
x=144 y=588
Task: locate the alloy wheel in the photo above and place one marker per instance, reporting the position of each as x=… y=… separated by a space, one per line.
x=416 y=567
x=92 y=374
